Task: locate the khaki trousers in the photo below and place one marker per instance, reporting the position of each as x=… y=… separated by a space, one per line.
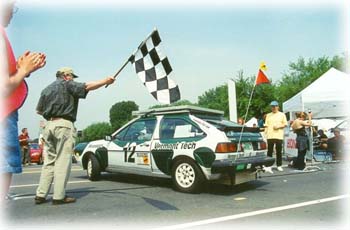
x=59 y=139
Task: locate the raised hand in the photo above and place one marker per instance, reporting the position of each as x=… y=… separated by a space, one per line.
x=30 y=62
x=109 y=80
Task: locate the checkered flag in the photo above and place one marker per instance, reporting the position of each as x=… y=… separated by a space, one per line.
x=153 y=68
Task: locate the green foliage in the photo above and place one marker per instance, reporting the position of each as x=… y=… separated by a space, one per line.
x=216 y=98
x=121 y=112
x=299 y=75
x=302 y=73
x=96 y=131
x=178 y=103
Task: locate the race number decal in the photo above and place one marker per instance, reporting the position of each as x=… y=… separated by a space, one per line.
x=129 y=154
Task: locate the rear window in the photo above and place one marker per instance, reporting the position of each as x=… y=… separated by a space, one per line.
x=178 y=128
x=233 y=130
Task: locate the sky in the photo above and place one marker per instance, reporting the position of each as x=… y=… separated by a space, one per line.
x=206 y=44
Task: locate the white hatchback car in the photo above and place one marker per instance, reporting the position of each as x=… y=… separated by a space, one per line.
x=188 y=144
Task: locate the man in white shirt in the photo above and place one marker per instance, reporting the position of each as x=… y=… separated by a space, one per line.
x=275 y=123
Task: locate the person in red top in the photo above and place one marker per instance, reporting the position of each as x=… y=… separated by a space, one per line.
x=13 y=91
x=24 y=143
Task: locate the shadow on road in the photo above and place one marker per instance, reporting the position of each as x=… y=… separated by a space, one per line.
x=150 y=182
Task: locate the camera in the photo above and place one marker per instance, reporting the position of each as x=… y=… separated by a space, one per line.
x=309 y=111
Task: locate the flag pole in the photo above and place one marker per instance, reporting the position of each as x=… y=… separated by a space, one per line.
x=130 y=58
x=246 y=114
x=121 y=68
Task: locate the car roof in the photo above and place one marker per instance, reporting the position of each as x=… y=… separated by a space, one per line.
x=179 y=110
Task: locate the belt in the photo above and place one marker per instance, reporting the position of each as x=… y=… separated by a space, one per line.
x=59 y=118
x=55 y=118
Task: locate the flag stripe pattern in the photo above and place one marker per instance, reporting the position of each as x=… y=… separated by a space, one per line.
x=153 y=68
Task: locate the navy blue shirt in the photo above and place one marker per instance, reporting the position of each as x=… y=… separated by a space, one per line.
x=60 y=99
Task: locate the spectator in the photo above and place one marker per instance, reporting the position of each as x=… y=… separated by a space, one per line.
x=240 y=121
x=322 y=139
x=58 y=104
x=261 y=122
x=24 y=143
x=299 y=127
x=335 y=145
x=275 y=123
x=13 y=91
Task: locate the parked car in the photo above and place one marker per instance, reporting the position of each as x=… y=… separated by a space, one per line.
x=78 y=150
x=190 y=145
x=35 y=153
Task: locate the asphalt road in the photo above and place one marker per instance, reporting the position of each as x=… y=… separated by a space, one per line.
x=289 y=199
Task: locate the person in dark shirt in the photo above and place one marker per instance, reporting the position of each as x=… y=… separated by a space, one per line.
x=322 y=139
x=58 y=104
x=335 y=145
x=24 y=143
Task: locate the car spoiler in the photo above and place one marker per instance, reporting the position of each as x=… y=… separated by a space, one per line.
x=239 y=129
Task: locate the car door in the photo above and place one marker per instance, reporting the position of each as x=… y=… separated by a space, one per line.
x=130 y=148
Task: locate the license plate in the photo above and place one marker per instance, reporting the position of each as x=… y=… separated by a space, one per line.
x=247 y=147
x=240 y=167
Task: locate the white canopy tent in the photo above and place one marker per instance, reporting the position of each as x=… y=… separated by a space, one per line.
x=327 y=97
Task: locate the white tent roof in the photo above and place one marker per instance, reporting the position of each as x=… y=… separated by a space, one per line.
x=327 y=97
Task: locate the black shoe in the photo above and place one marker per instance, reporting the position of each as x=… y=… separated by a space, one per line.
x=39 y=200
x=66 y=200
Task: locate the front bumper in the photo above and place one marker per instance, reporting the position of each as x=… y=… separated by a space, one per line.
x=240 y=165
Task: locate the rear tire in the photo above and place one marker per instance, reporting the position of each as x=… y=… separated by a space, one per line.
x=187 y=176
x=93 y=168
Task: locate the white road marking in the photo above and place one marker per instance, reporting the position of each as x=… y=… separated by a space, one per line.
x=32 y=185
x=254 y=213
x=239 y=198
x=39 y=171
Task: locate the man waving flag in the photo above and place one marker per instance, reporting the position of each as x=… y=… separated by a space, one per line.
x=153 y=68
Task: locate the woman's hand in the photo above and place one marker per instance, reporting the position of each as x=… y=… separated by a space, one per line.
x=30 y=62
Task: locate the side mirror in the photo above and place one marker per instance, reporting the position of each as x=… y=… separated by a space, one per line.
x=108 y=138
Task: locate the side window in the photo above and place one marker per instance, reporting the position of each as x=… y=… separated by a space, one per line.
x=141 y=130
x=121 y=134
x=178 y=128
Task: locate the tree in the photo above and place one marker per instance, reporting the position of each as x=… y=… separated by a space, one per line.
x=263 y=94
x=96 y=131
x=302 y=73
x=216 y=98
x=299 y=75
x=121 y=112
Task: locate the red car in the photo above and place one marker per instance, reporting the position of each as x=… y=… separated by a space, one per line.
x=35 y=153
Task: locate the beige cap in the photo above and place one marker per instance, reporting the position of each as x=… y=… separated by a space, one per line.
x=66 y=70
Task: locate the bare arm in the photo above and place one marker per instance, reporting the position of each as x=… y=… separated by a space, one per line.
x=26 y=64
x=97 y=84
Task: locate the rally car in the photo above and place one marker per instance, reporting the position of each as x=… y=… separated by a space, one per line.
x=188 y=144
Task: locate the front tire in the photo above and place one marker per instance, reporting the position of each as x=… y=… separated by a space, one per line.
x=93 y=168
x=187 y=176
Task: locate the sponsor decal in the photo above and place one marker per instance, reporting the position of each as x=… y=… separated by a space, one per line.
x=177 y=145
x=142 y=159
x=96 y=146
x=291 y=143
